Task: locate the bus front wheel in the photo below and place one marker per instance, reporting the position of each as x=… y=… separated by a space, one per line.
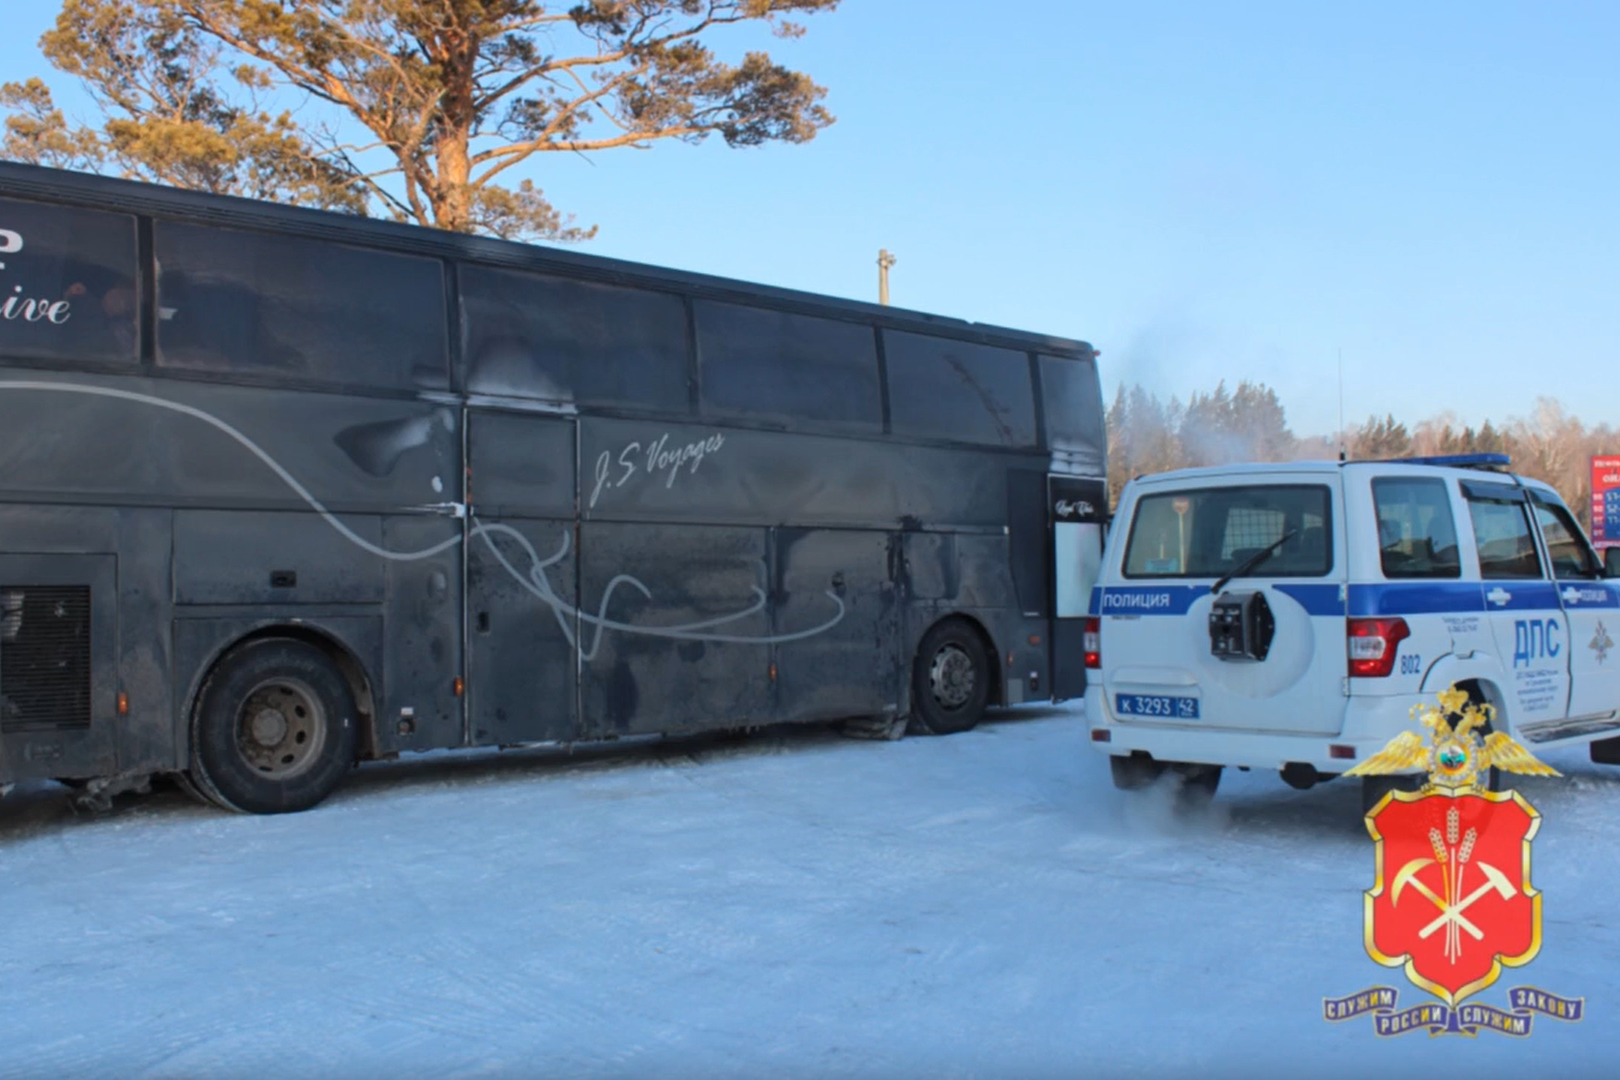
x=951 y=679
x=274 y=728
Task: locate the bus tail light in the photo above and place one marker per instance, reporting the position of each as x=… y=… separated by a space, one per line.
x=1373 y=644
x=1091 y=643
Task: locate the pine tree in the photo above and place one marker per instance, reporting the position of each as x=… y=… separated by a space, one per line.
x=416 y=108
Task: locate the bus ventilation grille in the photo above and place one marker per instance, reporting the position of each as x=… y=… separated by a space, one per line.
x=44 y=657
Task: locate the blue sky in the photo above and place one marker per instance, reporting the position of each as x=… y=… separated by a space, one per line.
x=1203 y=191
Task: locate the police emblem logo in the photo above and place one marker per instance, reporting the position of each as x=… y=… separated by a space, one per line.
x=1601 y=642
x=1452 y=901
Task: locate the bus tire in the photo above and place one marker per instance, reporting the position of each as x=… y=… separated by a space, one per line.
x=950 y=684
x=183 y=779
x=274 y=729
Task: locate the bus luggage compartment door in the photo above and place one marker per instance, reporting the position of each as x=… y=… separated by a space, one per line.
x=836 y=619
x=675 y=631
x=58 y=665
x=522 y=564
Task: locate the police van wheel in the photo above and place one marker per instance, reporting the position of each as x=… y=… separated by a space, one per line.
x=1134 y=773
x=950 y=684
x=1374 y=788
x=274 y=729
x=1493 y=778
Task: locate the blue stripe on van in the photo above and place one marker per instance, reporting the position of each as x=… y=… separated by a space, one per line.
x=1521 y=595
x=1150 y=599
x=1394 y=598
x=1315 y=599
x=1588 y=594
x=1416 y=598
x=1444 y=597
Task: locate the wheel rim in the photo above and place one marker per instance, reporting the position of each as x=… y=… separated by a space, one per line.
x=280 y=728
x=951 y=677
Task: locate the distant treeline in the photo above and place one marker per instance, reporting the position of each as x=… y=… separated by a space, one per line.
x=1147 y=435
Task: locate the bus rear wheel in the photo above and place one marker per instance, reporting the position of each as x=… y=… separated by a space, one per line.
x=274 y=729
x=950 y=679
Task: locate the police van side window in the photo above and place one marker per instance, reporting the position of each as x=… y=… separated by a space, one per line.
x=1507 y=547
x=1417 y=536
x=1566 y=546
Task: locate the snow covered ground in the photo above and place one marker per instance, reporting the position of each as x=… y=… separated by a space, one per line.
x=794 y=905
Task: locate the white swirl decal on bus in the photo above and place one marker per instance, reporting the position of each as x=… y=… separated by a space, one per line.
x=535 y=580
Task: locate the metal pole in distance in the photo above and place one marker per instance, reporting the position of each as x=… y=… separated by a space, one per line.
x=885 y=260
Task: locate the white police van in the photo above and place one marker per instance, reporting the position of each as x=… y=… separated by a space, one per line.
x=1290 y=616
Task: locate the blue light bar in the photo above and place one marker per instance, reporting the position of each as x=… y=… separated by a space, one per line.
x=1462 y=461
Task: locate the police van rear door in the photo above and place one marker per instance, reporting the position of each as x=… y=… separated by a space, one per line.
x=1274 y=658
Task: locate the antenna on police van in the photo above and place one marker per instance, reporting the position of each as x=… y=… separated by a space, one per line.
x=1341 y=406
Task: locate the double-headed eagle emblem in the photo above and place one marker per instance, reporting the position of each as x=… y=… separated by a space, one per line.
x=1457 y=757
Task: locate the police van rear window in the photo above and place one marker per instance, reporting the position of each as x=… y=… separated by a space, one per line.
x=1209 y=532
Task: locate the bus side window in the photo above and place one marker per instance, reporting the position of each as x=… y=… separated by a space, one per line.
x=258 y=303
x=1072 y=404
x=959 y=391
x=67 y=284
x=792 y=369
x=569 y=341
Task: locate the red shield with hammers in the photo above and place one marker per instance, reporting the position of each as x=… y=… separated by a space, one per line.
x=1452 y=902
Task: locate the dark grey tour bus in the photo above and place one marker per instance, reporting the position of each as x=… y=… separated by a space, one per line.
x=283 y=490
